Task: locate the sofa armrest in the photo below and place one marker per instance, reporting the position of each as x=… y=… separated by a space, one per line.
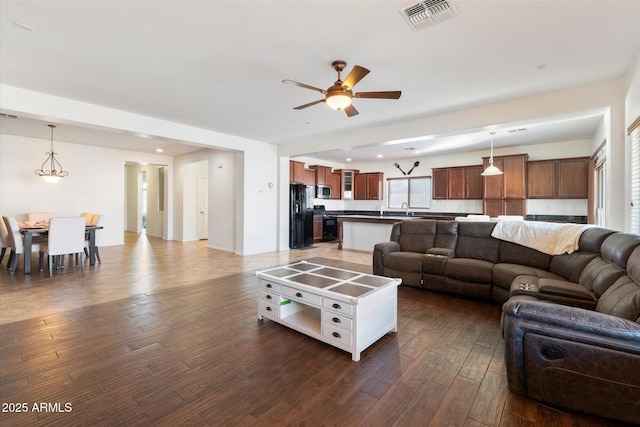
x=560 y=354
x=379 y=251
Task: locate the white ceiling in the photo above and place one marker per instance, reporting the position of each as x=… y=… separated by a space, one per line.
x=219 y=65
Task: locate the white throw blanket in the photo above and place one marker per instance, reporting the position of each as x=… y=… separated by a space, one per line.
x=548 y=237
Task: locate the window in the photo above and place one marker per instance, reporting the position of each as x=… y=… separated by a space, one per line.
x=409 y=192
x=634 y=132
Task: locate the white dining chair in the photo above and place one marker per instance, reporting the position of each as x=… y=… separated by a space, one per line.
x=16 y=243
x=66 y=236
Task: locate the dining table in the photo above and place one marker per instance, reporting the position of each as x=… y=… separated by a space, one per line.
x=31 y=230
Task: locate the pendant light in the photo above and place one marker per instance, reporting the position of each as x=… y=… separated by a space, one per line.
x=55 y=172
x=491 y=170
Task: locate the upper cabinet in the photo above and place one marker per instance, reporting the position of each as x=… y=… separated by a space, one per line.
x=462 y=182
x=346 y=183
x=299 y=175
x=558 y=179
x=368 y=186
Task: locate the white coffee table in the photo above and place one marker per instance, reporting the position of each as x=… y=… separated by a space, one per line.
x=343 y=308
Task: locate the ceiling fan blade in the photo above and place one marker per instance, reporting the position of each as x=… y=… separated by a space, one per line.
x=355 y=76
x=291 y=82
x=351 y=110
x=381 y=95
x=300 y=107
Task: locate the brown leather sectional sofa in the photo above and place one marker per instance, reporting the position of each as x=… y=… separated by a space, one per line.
x=571 y=322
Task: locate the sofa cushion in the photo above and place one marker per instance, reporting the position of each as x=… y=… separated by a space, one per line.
x=618 y=247
x=512 y=253
x=570 y=266
x=592 y=238
x=599 y=275
x=404 y=261
x=475 y=241
x=417 y=235
x=469 y=270
x=446 y=235
x=558 y=291
x=622 y=299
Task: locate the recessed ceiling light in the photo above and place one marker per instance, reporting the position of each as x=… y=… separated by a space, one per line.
x=349 y=159
x=379 y=156
x=159 y=150
x=142 y=135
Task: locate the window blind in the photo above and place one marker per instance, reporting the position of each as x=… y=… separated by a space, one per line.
x=634 y=132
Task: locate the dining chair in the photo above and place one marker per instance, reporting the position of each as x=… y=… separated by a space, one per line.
x=66 y=236
x=16 y=243
x=4 y=239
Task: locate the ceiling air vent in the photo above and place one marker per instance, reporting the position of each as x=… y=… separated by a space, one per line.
x=425 y=13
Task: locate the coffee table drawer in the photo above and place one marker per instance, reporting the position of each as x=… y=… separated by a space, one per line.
x=270 y=297
x=336 y=320
x=336 y=334
x=338 y=306
x=269 y=310
x=269 y=286
x=300 y=295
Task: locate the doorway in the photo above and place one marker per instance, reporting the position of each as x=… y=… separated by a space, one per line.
x=203 y=208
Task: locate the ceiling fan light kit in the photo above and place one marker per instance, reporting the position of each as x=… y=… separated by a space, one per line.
x=339 y=96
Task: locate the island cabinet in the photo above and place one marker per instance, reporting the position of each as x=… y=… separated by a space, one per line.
x=368 y=186
x=506 y=194
x=558 y=178
x=461 y=182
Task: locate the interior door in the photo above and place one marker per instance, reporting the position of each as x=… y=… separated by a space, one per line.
x=203 y=208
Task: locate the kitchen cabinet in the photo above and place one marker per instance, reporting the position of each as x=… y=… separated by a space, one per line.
x=459 y=182
x=439 y=183
x=296 y=172
x=309 y=177
x=541 y=179
x=506 y=194
x=346 y=181
x=368 y=186
x=558 y=178
x=335 y=183
x=323 y=174
x=317 y=228
x=573 y=178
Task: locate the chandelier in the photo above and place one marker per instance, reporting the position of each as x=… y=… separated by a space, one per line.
x=55 y=171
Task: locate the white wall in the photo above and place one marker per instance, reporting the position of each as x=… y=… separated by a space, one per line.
x=256 y=161
x=96 y=181
x=632 y=112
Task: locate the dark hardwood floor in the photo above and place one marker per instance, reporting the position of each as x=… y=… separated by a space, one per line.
x=197 y=355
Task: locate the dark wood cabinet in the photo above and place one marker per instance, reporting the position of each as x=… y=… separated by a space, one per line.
x=541 y=179
x=296 y=172
x=309 y=177
x=558 y=179
x=439 y=183
x=368 y=186
x=336 y=184
x=473 y=182
x=573 y=178
x=346 y=190
x=317 y=228
x=459 y=182
x=456 y=183
x=323 y=174
x=506 y=194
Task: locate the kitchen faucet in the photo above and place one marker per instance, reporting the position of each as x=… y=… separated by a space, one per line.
x=406 y=206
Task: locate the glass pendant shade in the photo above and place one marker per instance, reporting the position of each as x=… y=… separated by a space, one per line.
x=491 y=170
x=54 y=173
x=339 y=101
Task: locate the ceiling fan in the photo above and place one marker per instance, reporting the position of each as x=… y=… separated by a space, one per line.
x=339 y=95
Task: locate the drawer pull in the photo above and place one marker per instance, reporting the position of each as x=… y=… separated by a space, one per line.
x=269 y=285
x=268 y=308
x=298 y=294
x=337 y=306
x=268 y=296
x=337 y=335
x=336 y=320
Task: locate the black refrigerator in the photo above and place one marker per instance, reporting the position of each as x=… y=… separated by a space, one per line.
x=300 y=215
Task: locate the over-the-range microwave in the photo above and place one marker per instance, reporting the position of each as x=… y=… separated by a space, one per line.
x=323 y=191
